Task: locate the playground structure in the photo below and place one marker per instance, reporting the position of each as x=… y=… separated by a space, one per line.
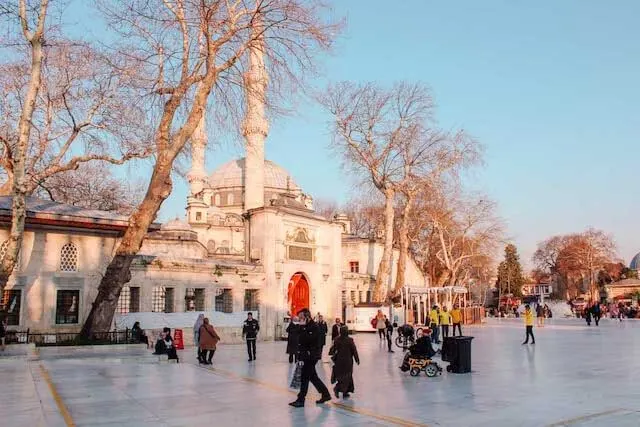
x=417 y=302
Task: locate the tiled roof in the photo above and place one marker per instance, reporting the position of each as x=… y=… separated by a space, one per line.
x=40 y=206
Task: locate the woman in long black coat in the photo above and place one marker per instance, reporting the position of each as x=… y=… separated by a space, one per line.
x=293 y=331
x=343 y=353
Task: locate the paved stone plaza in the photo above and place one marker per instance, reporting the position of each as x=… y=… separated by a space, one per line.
x=574 y=375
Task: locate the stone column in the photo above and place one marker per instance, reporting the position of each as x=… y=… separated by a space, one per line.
x=255 y=126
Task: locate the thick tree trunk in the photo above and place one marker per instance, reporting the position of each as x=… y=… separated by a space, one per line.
x=403 y=239
x=18 y=207
x=382 y=278
x=119 y=270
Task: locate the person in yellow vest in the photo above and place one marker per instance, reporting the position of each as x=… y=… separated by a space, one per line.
x=434 y=318
x=456 y=319
x=445 y=321
x=528 y=323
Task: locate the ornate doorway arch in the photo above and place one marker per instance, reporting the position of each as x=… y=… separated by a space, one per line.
x=298 y=293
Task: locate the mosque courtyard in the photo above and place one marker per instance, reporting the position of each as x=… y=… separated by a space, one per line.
x=574 y=375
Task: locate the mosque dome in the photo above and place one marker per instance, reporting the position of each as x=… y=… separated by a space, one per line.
x=635 y=262
x=176 y=225
x=231 y=175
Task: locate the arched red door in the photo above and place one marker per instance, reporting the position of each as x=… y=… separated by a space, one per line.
x=298 y=293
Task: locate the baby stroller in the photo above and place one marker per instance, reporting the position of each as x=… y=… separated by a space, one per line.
x=419 y=357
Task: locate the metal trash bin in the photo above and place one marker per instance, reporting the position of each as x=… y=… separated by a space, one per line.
x=460 y=355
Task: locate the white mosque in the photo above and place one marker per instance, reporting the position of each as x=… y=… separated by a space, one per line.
x=250 y=241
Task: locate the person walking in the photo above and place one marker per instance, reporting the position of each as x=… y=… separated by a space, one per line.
x=196 y=335
x=528 y=322
x=324 y=330
x=3 y=335
x=293 y=333
x=540 y=315
x=343 y=352
x=587 y=314
x=335 y=329
x=208 y=338
x=389 y=334
x=456 y=319
x=597 y=312
x=434 y=320
x=445 y=321
x=250 y=333
x=380 y=325
x=309 y=354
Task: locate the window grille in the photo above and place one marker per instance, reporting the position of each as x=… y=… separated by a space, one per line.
x=67 y=307
x=69 y=257
x=124 y=301
x=224 y=300
x=157 y=299
x=10 y=306
x=251 y=299
x=194 y=299
x=129 y=301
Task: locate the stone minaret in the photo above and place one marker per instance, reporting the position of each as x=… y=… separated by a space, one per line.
x=255 y=126
x=197 y=175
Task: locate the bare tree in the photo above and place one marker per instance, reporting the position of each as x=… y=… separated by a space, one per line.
x=328 y=208
x=366 y=215
x=82 y=113
x=576 y=259
x=177 y=52
x=370 y=126
x=467 y=228
x=33 y=30
x=430 y=156
x=79 y=187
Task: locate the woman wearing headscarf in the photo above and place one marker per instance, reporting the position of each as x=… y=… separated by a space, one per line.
x=343 y=353
x=196 y=335
x=293 y=331
x=208 y=341
x=138 y=334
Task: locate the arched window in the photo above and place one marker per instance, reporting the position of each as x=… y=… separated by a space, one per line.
x=69 y=257
x=211 y=246
x=3 y=249
x=216 y=200
x=230 y=199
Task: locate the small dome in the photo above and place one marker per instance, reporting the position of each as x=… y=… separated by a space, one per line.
x=176 y=225
x=635 y=262
x=231 y=175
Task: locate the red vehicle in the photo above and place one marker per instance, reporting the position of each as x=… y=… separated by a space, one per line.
x=508 y=302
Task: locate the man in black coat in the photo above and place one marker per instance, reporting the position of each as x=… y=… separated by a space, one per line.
x=324 y=330
x=335 y=329
x=250 y=330
x=309 y=352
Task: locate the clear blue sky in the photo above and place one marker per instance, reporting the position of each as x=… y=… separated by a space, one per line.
x=550 y=88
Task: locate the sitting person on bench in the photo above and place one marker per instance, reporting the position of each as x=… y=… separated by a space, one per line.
x=164 y=345
x=138 y=334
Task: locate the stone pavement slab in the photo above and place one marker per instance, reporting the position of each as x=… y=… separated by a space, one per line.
x=574 y=375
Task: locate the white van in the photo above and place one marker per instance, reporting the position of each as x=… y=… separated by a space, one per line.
x=359 y=318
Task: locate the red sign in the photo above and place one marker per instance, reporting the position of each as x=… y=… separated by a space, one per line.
x=177 y=339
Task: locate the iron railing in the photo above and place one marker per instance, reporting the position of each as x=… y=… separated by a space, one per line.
x=69 y=339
